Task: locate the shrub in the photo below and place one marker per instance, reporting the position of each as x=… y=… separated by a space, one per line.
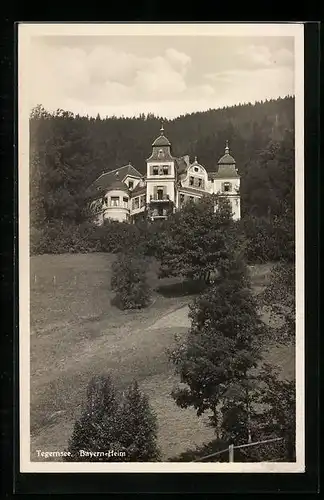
x=268 y=240
x=129 y=282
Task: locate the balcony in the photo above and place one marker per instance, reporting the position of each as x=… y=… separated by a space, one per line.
x=160 y=198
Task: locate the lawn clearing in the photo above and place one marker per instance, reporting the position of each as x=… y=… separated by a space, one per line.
x=76 y=333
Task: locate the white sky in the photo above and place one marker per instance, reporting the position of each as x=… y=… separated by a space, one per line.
x=164 y=75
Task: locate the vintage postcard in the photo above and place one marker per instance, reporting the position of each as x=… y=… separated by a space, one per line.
x=161 y=236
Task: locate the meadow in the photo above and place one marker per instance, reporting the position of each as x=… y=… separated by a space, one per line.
x=76 y=333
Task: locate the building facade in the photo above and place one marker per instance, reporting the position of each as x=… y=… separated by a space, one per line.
x=124 y=194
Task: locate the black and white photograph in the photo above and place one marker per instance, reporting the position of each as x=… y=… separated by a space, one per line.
x=161 y=234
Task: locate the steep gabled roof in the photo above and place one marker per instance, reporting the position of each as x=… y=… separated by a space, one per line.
x=106 y=179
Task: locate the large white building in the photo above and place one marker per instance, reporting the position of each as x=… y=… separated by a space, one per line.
x=125 y=194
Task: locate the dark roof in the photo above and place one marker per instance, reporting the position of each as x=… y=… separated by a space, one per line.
x=224 y=172
x=117 y=184
x=161 y=141
x=155 y=156
x=227 y=159
x=106 y=179
x=138 y=189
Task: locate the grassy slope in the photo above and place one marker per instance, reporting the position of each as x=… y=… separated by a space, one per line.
x=76 y=333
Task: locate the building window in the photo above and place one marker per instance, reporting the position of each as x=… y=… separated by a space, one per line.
x=130 y=184
x=155 y=170
x=125 y=202
x=160 y=192
x=191 y=198
x=196 y=169
x=114 y=201
x=135 y=203
x=143 y=201
x=200 y=183
x=165 y=170
x=226 y=187
x=106 y=200
x=191 y=181
x=182 y=199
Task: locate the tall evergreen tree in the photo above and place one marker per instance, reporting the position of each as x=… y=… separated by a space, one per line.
x=96 y=429
x=138 y=426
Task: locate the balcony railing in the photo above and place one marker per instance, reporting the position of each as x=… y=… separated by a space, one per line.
x=164 y=197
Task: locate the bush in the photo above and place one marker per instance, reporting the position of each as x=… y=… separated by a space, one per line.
x=129 y=282
x=268 y=240
x=112 y=237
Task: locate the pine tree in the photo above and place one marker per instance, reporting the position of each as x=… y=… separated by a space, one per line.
x=97 y=428
x=138 y=426
x=111 y=422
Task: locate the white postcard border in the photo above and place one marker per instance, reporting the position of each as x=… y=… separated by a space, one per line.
x=25 y=32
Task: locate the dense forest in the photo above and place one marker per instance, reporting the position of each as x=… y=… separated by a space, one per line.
x=68 y=152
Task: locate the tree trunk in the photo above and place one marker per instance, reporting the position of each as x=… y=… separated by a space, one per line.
x=248 y=416
x=217 y=417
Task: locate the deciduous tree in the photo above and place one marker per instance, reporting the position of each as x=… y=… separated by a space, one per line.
x=222 y=349
x=198 y=240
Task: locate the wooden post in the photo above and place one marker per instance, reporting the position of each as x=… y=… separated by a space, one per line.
x=231 y=453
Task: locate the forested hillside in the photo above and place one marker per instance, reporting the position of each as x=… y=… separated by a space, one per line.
x=68 y=152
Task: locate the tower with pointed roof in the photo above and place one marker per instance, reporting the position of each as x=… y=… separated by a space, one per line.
x=160 y=178
x=226 y=181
